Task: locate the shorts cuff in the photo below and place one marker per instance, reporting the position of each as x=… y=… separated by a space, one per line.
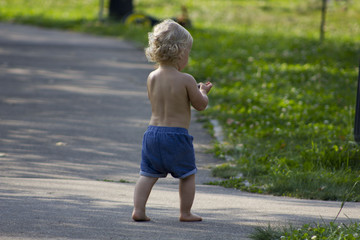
x=153 y=175
x=189 y=174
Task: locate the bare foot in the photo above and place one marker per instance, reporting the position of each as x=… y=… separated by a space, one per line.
x=190 y=218
x=140 y=217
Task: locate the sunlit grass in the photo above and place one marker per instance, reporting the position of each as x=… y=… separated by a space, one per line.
x=50 y=9
x=331 y=231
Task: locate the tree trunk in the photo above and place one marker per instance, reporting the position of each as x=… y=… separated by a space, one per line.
x=323 y=20
x=101 y=10
x=357 y=112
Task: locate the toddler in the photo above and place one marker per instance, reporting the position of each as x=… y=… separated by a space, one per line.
x=167 y=146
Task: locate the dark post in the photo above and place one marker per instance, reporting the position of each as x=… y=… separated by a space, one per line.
x=101 y=10
x=120 y=8
x=323 y=20
x=357 y=112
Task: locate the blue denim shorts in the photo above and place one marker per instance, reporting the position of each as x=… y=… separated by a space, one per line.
x=167 y=150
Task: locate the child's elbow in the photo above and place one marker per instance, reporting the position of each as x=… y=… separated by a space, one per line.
x=201 y=107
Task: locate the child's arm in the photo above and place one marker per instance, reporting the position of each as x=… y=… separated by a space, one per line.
x=198 y=95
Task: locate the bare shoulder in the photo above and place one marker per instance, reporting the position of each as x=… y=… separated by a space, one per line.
x=188 y=79
x=187 y=76
x=152 y=75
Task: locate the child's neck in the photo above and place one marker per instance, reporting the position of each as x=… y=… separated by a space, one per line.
x=168 y=67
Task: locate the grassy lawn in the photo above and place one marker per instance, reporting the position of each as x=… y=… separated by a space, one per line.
x=329 y=231
x=285 y=101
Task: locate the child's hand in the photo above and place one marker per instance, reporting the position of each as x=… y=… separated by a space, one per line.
x=206 y=87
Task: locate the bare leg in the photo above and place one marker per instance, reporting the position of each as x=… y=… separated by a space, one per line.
x=187 y=194
x=141 y=195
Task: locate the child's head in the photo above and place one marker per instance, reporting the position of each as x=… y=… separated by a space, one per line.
x=168 y=43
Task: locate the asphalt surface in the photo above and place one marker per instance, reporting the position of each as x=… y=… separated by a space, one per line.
x=73 y=109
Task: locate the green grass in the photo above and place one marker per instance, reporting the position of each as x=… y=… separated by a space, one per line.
x=285 y=101
x=330 y=231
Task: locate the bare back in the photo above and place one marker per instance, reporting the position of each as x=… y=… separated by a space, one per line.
x=171 y=92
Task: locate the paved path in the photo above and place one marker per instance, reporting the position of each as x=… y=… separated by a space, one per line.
x=73 y=109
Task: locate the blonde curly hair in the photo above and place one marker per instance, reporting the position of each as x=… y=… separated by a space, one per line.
x=168 y=42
